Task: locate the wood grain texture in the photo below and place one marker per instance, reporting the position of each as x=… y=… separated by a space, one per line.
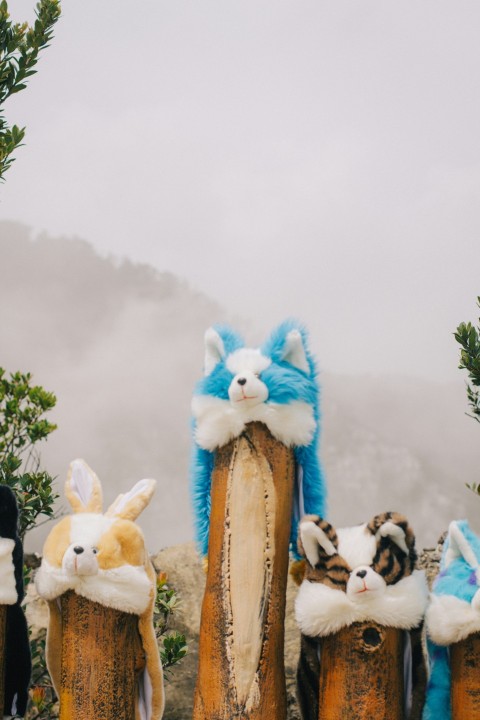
x=3 y=628
x=102 y=656
x=361 y=674
x=241 y=666
x=465 y=669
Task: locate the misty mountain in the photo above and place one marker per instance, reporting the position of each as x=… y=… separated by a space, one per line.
x=121 y=345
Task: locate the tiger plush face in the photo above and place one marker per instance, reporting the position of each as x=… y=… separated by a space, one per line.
x=366 y=572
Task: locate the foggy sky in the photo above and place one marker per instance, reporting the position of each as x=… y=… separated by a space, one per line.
x=288 y=158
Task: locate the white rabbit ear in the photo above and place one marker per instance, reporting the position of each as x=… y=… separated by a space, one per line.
x=459 y=547
x=130 y=505
x=83 y=489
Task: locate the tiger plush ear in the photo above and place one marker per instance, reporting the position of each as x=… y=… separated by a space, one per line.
x=392 y=531
x=316 y=537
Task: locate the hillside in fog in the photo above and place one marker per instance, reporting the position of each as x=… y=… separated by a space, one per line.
x=122 y=345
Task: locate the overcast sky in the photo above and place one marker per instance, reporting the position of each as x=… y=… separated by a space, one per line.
x=317 y=159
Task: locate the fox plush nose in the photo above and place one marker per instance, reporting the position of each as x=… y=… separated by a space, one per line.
x=361 y=573
x=242 y=381
x=78 y=550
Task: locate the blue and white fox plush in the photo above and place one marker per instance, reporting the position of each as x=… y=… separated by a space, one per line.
x=17 y=645
x=453 y=613
x=276 y=385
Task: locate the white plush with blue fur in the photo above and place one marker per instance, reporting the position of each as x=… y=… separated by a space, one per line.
x=276 y=385
x=453 y=613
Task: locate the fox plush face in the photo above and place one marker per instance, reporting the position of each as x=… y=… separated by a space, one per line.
x=360 y=573
x=275 y=384
x=103 y=557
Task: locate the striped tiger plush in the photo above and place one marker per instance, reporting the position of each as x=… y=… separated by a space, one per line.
x=356 y=574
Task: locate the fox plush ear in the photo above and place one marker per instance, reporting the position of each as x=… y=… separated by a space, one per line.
x=294 y=351
x=459 y=545
x=82 y=489
x=287 y=344
x=312 y=540
x=219 y=342
x=130 y=505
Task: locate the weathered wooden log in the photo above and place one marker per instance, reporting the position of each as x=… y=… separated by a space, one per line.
x=465 y=671
x=361 y=674
x=101 y=659
x=3 y=632
x=241 y=665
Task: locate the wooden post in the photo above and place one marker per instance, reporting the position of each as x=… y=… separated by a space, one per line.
x=465 y=670
x=3 y=632
x=102 y=656
x=241 y=666
x=361 y=674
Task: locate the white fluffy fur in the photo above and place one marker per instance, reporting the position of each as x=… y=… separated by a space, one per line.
x=218 y=421
x=247 y=359
x=356 y=545
x=126 y=588
x=450 y=619
x=8 y=592
x=320 y=610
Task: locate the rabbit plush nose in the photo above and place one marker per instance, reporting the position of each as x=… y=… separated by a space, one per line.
x=361 y=573
x=242 y=381
x=81 y=560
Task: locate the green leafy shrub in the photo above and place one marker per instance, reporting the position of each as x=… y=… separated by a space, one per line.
x=20 y=44
x=22 y=426
x=468 y=337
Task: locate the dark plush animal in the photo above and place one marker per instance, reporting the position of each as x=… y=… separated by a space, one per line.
x=361 y=573
x=17 y=646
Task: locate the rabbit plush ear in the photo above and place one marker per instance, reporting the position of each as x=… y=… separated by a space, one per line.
x=459 y=546
x=82 y=489
x=130 y=505
x=314 y=540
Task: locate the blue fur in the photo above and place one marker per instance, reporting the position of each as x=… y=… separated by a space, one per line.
x=458 y=579
x=285 y=384
x=437 y=704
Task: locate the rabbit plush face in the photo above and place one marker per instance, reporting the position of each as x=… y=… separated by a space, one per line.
x=102 y=557
x=454 y=610
x=361 y=573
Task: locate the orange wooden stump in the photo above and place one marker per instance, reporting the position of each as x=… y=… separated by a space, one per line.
x=3 y=629
x=241 y=667
x=465 y=669
x=101 y=658
x=361 y=674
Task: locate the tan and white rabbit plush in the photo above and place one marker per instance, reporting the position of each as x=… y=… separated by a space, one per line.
x=103 y=557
